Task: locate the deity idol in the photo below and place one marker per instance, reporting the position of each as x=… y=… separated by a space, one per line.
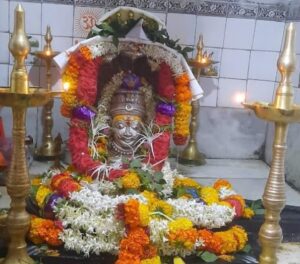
x=127 y=112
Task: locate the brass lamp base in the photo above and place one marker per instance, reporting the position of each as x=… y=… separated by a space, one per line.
x=191 y=156
x=47 y=152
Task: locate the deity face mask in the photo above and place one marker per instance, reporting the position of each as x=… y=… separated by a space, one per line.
x=126 y=132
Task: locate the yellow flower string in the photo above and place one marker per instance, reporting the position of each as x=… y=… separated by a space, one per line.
x=131 y=180
x=209 y=195
x=155 y=260
x=41 y=195
x=183 y=107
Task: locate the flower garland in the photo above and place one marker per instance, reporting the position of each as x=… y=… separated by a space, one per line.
x=144 y=227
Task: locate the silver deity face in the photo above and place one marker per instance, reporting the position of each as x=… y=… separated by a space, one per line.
x=126 y=132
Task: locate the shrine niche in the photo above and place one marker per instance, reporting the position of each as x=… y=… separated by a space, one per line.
x=128 y=93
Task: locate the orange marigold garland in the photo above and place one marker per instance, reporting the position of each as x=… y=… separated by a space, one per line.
x=183 y=109
x=44 y=231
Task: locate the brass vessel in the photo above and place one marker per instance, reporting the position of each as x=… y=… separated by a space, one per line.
x=191 y=155
x=48 y=149
x=19 y=96
x=282 y=112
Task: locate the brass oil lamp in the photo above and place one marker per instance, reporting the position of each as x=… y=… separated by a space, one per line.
x=19 y=96
x=281 y=112
x=48 y=149
x=191 y=155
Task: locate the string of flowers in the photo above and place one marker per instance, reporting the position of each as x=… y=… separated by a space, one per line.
x=183 y=110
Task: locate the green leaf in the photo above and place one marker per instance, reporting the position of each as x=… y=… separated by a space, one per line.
x=105 y=26
x=259 y=211
x=158 y=175
x=209 y=257
x=162 y=181
x=180 y=192
x=135 y=164
x=131 y=191
x=247 y=248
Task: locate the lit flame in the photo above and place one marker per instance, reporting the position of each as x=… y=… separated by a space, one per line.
x=240 y=97
x=66 y=86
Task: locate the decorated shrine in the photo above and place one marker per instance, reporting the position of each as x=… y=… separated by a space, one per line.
x=129 y=96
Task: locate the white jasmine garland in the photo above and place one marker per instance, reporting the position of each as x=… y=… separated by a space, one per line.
x=208 y=216
x=169 y=177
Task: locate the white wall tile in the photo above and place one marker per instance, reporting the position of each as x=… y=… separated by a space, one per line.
x=297 y=25
x=234 y=64
x=4 y=52
x=4 y=11
x=182 y=27
x=263 y=65
x=85 y=18
x=161 y=16
x=33 y=12
x=212 y=29
x=59 y=18
x=210 y=88
x=239 y=33
x=77 y=40
x=259 y=91
x=268 y=35
x=230 y=92
x=297 y=96
x=4 y=75
x=296 y=74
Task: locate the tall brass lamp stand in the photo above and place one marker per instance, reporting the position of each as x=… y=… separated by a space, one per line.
x=49 y=150
x=191 y=155
x=19 y=97
x=282 y=112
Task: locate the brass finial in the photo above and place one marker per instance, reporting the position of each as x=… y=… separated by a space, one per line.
x=200 y=46
x=286 y=66
x=48 y=40
x=19 y=47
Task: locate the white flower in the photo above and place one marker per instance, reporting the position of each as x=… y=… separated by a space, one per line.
x=225 y=192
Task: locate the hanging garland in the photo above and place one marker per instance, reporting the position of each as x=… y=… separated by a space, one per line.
x=81 y=75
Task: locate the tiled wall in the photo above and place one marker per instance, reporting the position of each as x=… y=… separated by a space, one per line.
x=245 y=38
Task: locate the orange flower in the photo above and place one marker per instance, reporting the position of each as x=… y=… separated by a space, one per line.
x=135 y=246
x=212 y=243
x=222 y=183
x=44 y=231
x=85 y=51
x=185 y=238
x=131 y=213
x=183 y=93
x=183 y=79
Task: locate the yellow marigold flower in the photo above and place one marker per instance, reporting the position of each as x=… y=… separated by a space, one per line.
x=150 y=196
x=181 y=223
x=131 y=180
x=41 y=195
x=227 y=258
x=36 y=181
x=233 y=239
x=144 y=214
x=155 y=260
x=222 y=183
x=241 y=236
x=209 y=195
x=161 y=206
x=248 y=213
x=178 y=260
x=186 y=182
